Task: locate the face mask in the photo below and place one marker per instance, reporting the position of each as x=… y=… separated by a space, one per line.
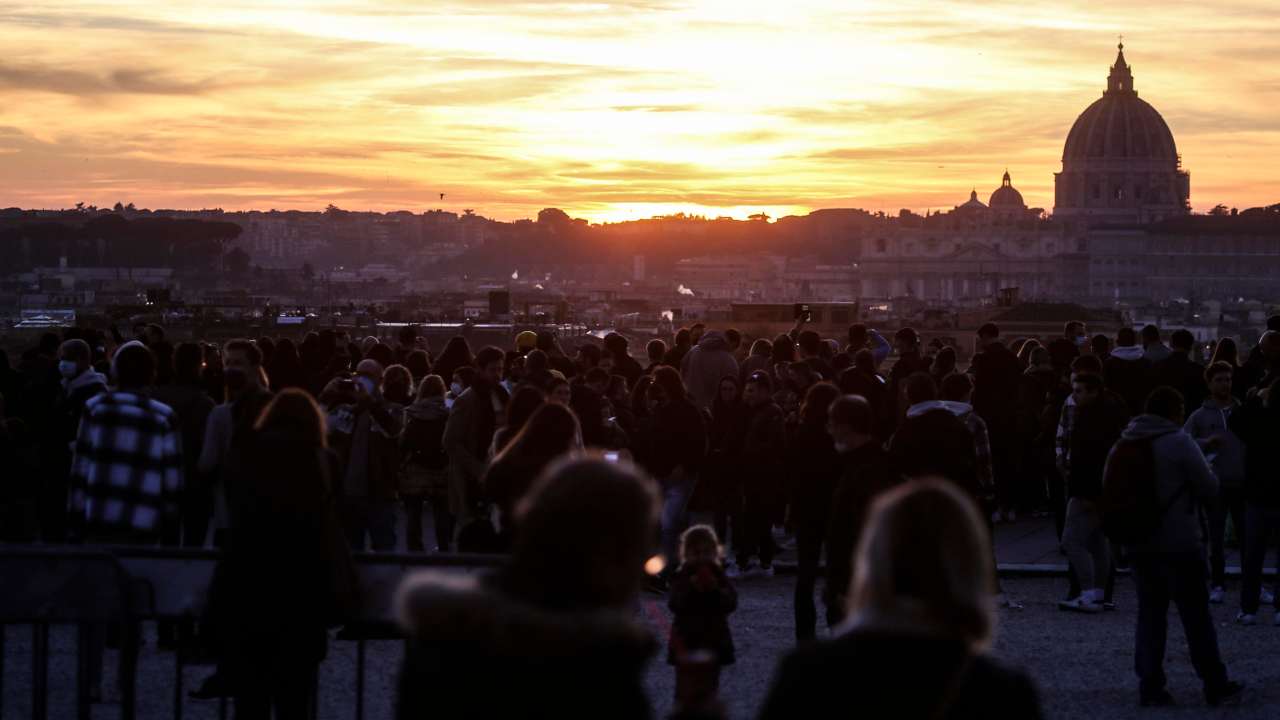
x=842 y=447
x=366 y=383
x=68 y=369
x=456 y=389
x=235 y=378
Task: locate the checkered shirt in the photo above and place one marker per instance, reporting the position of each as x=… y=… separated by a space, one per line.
x=127 y=471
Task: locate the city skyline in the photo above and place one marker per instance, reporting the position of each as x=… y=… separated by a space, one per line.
x=612 y=112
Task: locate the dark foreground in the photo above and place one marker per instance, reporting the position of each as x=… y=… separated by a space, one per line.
x=1083 y=664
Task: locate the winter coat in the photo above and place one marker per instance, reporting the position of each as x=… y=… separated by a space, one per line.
x=1258 y=427
x=677 y=440
x=1094 y=429
x=1062 y=351
x=1182 y=374
x=812 y=466
x=1129 y=374
x=1227 y=457
x=705 y=366
x=476 y=651
x=996 y=377
x=1184 y=483
x=908 y=364
x=192 y=406
x=467 y=437
x=865 y=473
x=755 y=363
x=876 y=391
x=764 y=447
x=424 y=464
x=891 y=674
x=701 y=616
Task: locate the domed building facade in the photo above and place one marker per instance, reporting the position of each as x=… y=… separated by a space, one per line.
x=1120 y=164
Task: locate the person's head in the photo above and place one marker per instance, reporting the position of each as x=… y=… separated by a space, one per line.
x=1040 y=357
x=456 y=352
x=655 y=349
x=1126 y=337
x=607 y=363
x=817 y=401
x=431 y=388
x=988 y=333
x=1150 y=335
x=802 y=376
x=1074 y=331
x=597 y=378
x=784 y=349
x=1167 y=403
x=810 y=344
x=513 y=367
x=1100 y=345
x=850 y=422
x=525 y=401
x=1026 y=348
x=397 y=383
x=582 y=535
x=526 y=341
x=906 y=340
x=241 y=361
x=865 y=361
x=462 y=379
x=734 y=337
x=407 y=336
x=369 y=375
x=616 y=344
x=857 y=336
x=536 y=363
x=549 y=432
x=957 y=387
x=74 y=357
x=588 y=356
x=548 y=344
x=1269 y=345
x=1227 y=351
x=1182 y=341
x=762 y=348
x=758 y=390
x=945 y=361
x=134 y=366
x=559 y=392
x=728 y=392
x=489 y=364
x=1218 y=378
x=683 y=338
x=293 y=411
x=921 y=388
x=617 y=391
x=924 y=558
x=419 y=364
x=668 y=380
x=1086 y=388
x=699 y=544
x=152 y=334
x=188 y=361
x=696 y=331
x=1087 y=364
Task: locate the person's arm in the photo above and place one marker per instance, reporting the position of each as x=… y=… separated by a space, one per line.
x=880 y=348
x=1204 y=483
x=1193 y=430
x=982 y=452
x=171 y=462
x=458 y=430
x=211 y=448
x=1062 y=439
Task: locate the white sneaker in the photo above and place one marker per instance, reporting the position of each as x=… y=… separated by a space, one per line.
x=1080 y=604
x=1245 y=618
x=1217 y=595
x=1266 y=597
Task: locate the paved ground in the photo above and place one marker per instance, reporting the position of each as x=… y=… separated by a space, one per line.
x=1083 y=664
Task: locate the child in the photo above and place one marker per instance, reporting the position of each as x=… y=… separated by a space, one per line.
x=701 y=599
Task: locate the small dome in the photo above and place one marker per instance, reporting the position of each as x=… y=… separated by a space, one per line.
x=974 y=203
x=1006 y=197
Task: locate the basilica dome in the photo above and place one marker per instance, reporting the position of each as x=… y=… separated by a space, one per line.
x=1120 y=163
x=1006 y=197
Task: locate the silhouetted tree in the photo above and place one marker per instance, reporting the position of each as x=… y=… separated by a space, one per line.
x=308 y=272
x=237 y=261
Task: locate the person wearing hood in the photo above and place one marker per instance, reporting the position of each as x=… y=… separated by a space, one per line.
x=863 y=338
x=473 y=420
x=703 y=367
x=1127 y=371
x=1153 y=349
x=553 y=632
x=424 y=466
x=1210 y=427
x=80 y=383
x=937 y=438
x=864 y=380
x=683 y=343
x=1169 y=565
x=1095 y=420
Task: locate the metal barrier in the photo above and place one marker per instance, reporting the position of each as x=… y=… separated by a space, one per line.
x=124 y=585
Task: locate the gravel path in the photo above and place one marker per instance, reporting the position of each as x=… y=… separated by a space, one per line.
x=1083 y=664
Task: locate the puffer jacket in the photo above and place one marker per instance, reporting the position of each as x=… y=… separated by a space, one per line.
x=709 y=362
x=1184 y=482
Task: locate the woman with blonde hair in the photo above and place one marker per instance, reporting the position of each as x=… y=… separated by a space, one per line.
x=921 y=616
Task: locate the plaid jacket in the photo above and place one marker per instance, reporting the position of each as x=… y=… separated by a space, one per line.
x=127 y=470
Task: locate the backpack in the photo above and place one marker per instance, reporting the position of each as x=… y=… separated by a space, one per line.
x=1131 y=509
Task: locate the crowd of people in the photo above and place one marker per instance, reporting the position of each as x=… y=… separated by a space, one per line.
x=720 y=449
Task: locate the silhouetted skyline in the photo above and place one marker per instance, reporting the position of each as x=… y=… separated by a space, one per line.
x=623 y=111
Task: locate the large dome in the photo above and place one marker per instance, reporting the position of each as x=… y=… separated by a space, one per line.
x=1120 y=126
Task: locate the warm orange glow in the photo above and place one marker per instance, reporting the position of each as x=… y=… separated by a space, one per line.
x=610 y=110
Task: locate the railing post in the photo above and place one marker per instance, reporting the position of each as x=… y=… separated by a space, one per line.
x=39 y=670
x=177 y=676
x=84 y=671
x=360 y=649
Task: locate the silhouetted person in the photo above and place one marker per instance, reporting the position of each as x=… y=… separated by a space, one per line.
x=424 y=472
x=1180 y=372
x=1127 y=372
x=552 y=431
x=813 y=466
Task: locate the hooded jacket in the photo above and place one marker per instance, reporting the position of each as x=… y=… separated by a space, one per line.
x=477 y=651
x=1227 y=458
x=977 y=428
x=997 y=374
x=934 y=441
x=1129 y=374
x=705 y=365
x=1184 y=482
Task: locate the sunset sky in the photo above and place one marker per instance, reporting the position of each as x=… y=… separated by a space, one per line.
x=611 y=110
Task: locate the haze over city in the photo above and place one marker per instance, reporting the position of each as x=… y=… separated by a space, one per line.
x=611 y=111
